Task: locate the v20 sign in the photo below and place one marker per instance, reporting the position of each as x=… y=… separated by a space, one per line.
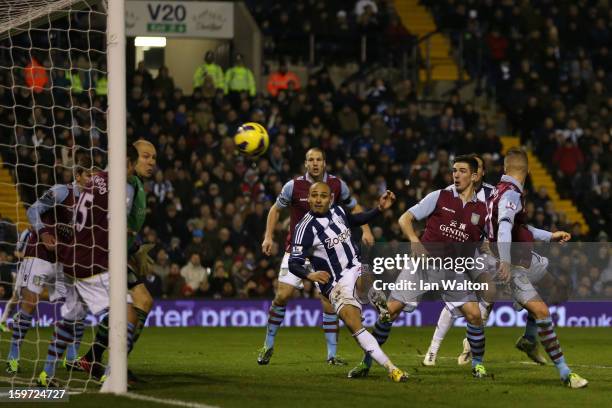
x=179 y=19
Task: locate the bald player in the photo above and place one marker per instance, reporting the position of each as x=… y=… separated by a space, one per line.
x=323 y=237
x=295 y=196
x=145 y=168
x=507 y=227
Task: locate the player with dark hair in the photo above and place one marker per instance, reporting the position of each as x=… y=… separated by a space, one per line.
x=454 y=216
x=446 y=319
x=323 y=237
x=50 y=217
x=295 y=195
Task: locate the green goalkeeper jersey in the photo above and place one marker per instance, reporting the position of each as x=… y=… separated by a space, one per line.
x=137 y=215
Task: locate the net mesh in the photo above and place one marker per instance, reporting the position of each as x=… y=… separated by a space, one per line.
x=17 y=13
x=53 y=86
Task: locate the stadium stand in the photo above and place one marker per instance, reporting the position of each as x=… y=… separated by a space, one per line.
x=549 y=65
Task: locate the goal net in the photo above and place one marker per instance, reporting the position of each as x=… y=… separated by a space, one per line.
x=53 y=130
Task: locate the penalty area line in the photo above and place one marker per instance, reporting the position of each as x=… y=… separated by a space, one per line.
x=529 y=362
x=165 y=401
x=573 y=365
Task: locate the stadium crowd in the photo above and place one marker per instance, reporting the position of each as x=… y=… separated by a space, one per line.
x=338 y=30
x=207 y=205
x=550 y=67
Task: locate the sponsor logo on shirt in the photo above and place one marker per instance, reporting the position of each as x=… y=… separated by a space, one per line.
x=332 y=242
x=101 y=184
x=455 y=231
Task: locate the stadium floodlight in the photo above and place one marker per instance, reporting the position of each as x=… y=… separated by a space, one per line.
x=63 y=68
x=150 y=41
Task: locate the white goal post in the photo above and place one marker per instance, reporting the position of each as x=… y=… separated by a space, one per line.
x=30 y=19
x=117 y=381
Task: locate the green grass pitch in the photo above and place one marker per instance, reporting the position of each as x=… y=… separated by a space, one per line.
x=217 y=366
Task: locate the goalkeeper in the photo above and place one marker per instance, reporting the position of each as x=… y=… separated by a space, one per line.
x=139 y=261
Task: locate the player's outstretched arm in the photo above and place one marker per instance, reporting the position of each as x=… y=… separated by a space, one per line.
x=272 y=220
x=362 y=218
x=367 y=237
x=386 y=200
x=547 y=236
x=348 y=201
x=560 y=236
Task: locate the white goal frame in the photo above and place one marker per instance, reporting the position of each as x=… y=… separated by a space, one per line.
x=117 y=341
x=116 y=125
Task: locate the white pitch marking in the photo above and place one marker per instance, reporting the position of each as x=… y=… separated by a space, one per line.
x=527 y=362
x=165 y=401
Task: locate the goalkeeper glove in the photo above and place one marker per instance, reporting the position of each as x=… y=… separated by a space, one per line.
x=141 y=260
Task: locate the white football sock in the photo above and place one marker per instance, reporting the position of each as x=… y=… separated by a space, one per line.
x=445 y=321
x=484 y=307
x=369 y=344
x=8 y=307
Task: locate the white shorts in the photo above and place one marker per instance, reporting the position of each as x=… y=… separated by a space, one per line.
x=284 y=276
x=538 y=268
x=490 y=267
x=93 y=292
x=521 y=286
x=453 y=300
x=35 y=273
x=73 y=307
x=343 y=292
